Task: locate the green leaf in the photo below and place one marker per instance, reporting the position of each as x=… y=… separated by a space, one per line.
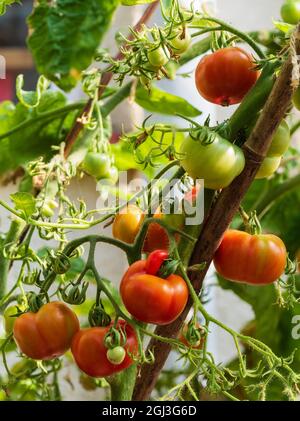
x=24 y=202
x=5 y=3
x=134 y=2
x=36 y=139
x=31 y=99
x=162 y=102
x=65 y=35
x=283 y=26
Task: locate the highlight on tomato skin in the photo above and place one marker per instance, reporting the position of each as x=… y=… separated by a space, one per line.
x=90 y=353
x=252 y=259
x=226 y=76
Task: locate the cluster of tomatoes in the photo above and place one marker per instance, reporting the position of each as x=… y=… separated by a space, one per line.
x=55 y=328
x=224 y=78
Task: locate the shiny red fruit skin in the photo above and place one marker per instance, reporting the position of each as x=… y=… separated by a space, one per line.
x=89 y=350
x=48 y=333
x=251 y=259
x=225 y=76
x=151 y=299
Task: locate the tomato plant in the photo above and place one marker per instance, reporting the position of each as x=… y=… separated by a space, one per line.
x=48 y=333
x=226 y=76
x=253 y=259
x=56 y=249
x=151 y=298
x=90 y=352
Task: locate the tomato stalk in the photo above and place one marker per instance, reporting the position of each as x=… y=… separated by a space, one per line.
x=15 y=230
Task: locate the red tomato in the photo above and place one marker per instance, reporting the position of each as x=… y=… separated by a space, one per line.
x=152 y=299
x=252 y=259
x=157 y=237
x=90 y=352
x=48 y=333
x=225 y=76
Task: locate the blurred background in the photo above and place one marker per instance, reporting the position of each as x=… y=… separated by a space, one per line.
x=244 y=14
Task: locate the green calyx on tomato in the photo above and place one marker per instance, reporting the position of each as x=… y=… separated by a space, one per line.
x=180 y=40
x=91 y=354
x=150 y=298
x=96 y=164
x=226 y=76
x=218 y=161
x=290 y=11
x=158 y=56
x=252 y=259
x=48 y=333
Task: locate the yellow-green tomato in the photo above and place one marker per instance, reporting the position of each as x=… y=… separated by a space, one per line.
x=269 y=166
x=281 y=141
x=158 y=56
x=218 y=162
x=180 y=41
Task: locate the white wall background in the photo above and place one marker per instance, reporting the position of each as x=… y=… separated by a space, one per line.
x=245 y=14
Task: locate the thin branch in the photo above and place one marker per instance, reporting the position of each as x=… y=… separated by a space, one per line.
x=105 y=80
x=222 y=214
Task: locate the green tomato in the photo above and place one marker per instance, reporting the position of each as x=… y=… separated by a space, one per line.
x=96 y=164
x=269 y=166
x=296 y=99
x=218 y=163
x=290 y=12
x=180 y=42
x=158 y=56
x=116 y=355
x=10 y=318
x=281 y=141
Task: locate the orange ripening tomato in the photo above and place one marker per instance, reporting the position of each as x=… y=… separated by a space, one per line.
x=90 y=352
x=225 y=76
x=253 y=259
x=150 y=298
x=127 y=224
x=48 y=333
